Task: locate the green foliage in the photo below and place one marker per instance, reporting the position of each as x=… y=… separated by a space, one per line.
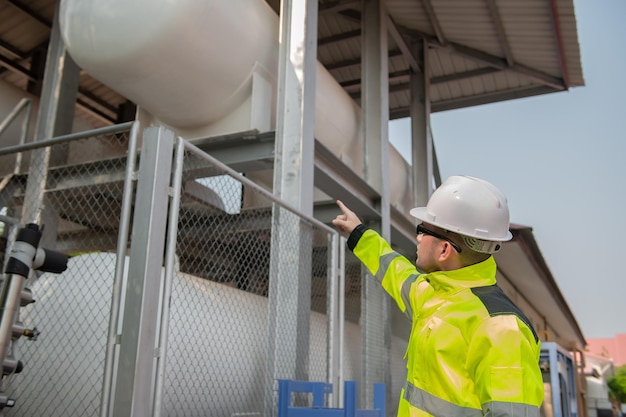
x=617 y=384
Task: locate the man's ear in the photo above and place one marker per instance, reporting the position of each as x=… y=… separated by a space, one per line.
x=445 y=250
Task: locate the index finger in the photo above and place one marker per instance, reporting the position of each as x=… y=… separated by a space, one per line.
x=343 y=207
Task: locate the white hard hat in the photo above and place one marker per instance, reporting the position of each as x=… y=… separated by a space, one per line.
x=471 y=207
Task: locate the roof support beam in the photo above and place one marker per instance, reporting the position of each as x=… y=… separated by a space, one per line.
x=399 y=75
x=25 y=9
x=462 y=102
x=391 y=28
x=463 y=75
x=489 y=98
x=339 y=6
x=393 y=76
x=499 y=63
x=357 y=61
x=502 y=39
x=339 y=37
x=406 y=51
x=434 y=22
x=490 y=60
x=559 y=41
x=14 y=66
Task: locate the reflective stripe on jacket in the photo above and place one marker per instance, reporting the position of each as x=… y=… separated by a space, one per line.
x=471 y=352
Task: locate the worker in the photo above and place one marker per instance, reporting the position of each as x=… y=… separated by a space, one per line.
x=471 y=351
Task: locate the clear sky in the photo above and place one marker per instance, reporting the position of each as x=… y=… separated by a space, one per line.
x=561 y=160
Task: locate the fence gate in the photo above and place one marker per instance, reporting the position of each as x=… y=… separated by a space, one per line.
x=198 y=320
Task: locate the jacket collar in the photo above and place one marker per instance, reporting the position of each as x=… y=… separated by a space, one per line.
x=481 y=274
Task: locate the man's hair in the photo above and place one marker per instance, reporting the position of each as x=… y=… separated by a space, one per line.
x=468 y=256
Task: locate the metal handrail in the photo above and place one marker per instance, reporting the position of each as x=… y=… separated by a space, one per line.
x=24 y=103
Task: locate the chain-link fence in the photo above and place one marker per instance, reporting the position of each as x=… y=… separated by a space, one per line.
x=219 y=312
x=81 y=212
x=219 y=320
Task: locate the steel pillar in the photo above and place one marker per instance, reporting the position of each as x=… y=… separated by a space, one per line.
x=134 y=385
x=290 y=271
x=55 y=117
x=421 y=140
x=375 y=314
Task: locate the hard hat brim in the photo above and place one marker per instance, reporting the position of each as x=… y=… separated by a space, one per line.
x=421 y=213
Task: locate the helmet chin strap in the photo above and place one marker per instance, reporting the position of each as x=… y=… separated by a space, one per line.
x=482 y=246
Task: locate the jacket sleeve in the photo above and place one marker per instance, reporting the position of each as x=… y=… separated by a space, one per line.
x=395 y=272
x=503 y=361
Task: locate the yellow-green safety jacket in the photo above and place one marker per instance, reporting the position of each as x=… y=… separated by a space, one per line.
x=471 y=352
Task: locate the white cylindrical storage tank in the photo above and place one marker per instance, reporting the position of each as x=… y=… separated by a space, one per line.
x=190 y=64
x=215 y=359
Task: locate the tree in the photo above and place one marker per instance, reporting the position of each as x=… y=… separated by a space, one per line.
x=617 y=384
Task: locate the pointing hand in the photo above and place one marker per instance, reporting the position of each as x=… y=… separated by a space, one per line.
x=346 y=221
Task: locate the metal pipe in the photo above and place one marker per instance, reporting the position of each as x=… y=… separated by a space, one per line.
x=122 y=127
x=14 y=113
x=342 y=311
x=170 y=254
x=122 y=240
x=231 y=172
x=331 y=316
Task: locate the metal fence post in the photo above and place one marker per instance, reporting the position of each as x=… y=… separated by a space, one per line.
x=135 y=374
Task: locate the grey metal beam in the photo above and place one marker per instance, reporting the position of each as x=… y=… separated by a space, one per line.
x=487 y=59
x=458 y=76
x=339 y=37
x=465 y=75
x=94 y=111
x=339 y=6
x=554 y=12
x=392 y=89
x=11 y=49
x=463 y=102
x=499 y=63
x=30 y=12
x=291 y=247
x=244 y=151
x=134 y=380
x=398 y=75
x=493 y=97
x=434 y=22
x=437 y=172
x=421 y=141
x=55 y=117
x=404 y=47
x=334 y=178
x=500 y=33
x=17 y=68
x=356 y=62
x=393 y=76
x=99 y=101
x=376 y=339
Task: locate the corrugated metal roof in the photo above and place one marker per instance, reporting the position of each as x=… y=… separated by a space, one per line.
x=480 y=51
